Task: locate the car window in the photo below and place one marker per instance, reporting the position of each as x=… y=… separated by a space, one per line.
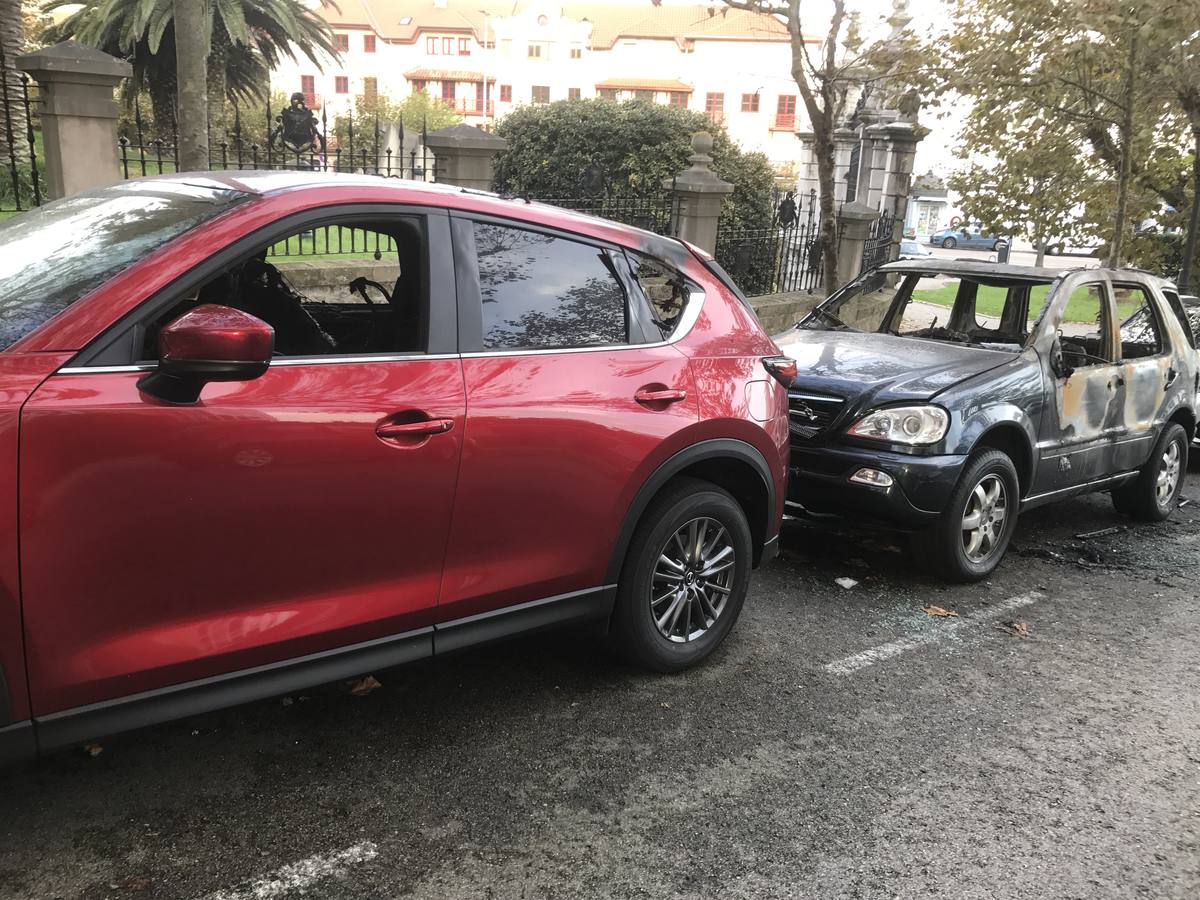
x=665 y=289
x=1084 y=328
x=53 y=255
x=346 y=289
x=1186 y=323
x=1141 y=334
x=545 y=292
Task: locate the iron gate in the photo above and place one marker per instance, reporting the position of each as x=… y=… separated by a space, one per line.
x=877 y=249
x=21 y=185
x=783 y=256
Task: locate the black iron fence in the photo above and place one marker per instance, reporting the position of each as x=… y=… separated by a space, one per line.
x=877 y=249
x=288 y=139
x=21 y=185
x=657 y=213
x=785 y=255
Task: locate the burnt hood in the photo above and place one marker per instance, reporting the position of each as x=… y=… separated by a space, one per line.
x=855 y=363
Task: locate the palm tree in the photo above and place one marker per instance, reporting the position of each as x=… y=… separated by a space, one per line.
x=248 y=39
x=11 y=44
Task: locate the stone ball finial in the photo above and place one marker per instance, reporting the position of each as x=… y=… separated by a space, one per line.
x=702 y=143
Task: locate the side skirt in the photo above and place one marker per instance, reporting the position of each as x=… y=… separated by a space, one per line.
x=74 y=726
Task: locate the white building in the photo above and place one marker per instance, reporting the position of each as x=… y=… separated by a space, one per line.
x=733 y=65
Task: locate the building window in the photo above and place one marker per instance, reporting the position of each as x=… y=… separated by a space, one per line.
x=506 y=93
x=537 y=50
x=679 y=98
x=714 y=107
x=644 y=96
x=341 y=84
x=464 y=46
x=750 y=103
x=431 y=46
x=574 y=93
x=370 y=87
x=541 y=93
x=418 y=85
x=447 y=46
x=489 y=45
x=308 y=84
x=608 y=93
x=448 y=91
x=368 y=43
x=576 y=53
x=785 y=112
x=341 y=42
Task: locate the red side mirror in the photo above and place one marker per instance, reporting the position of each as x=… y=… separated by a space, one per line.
x=208 y=343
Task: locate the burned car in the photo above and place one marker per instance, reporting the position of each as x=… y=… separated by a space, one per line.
x=972 y=391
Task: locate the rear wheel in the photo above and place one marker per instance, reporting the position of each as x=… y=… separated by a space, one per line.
x=971 y=536
x=949 y=243
x=1155 y=492
x=685 y=577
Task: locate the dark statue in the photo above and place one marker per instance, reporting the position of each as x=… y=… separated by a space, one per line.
x=297 y=126
x=786 y=214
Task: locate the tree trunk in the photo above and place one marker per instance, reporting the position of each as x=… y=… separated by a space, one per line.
x=1190 y=243
x=11 y=45
x=823 y=141
x=218 y=126
x=1125 y=175
x=191 y=51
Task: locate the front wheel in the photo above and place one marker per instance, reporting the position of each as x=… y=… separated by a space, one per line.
x=685 y=577
x=972 y=534
x=949 y=243
x=999 y=245
x=1155 y=492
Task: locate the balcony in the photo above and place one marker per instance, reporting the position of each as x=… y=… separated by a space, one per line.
x=784 y=122
x=471 y=107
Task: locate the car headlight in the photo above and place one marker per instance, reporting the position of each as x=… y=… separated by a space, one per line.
x=903 y=425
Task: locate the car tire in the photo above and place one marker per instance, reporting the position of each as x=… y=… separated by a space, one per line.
x=1155 y=491
x=999 y=245
x=951 y=552
x=691 y=633
x=949 y=243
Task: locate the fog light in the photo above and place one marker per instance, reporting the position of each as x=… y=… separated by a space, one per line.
x=873 y=477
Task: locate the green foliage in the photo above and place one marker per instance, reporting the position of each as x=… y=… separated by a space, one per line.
x=636 y=145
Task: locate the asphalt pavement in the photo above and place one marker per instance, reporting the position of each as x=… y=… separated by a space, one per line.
x=847 y=741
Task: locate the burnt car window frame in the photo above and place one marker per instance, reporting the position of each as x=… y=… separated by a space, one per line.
x=470 y=297
x=1171 y=297
x=1056 y=305
x=1166 y=346
x=116 y=348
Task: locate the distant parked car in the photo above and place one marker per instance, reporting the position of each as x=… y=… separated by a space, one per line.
x=978 y=390
x=969 y=237
x=913 y=250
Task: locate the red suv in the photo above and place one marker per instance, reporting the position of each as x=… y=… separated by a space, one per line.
x=267 y=430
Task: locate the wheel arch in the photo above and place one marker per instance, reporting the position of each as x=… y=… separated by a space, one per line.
x=734 y=465
x=1187 y=418
x=1010 y=439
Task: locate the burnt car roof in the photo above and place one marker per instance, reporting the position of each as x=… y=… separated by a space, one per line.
x=975 y=267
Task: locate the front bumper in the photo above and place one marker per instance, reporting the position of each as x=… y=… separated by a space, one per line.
x=921 y=485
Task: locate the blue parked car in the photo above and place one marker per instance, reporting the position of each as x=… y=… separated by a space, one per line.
x=969 y=237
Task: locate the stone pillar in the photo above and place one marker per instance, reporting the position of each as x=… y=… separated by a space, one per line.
x=844 y=142
x=806 y=178
x=465 y=155
x=877 y=168
x=79 y=115
x=854 y=222
x=699 y=194
x=903 y=138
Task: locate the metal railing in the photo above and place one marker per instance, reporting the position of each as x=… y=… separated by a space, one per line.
x=653 y=213
x=21 y=183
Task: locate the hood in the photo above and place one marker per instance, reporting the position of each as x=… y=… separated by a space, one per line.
x=855 y=364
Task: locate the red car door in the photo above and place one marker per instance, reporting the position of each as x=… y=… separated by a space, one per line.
x=277 y=518
x=556 y=432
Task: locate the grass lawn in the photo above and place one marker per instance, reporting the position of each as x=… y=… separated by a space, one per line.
x=331 y=244
x=990 y=302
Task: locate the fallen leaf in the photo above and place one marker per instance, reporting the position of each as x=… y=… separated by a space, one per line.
x=940 y=612
x=137 y=884
x=847 y=583
x=1017 y=629
x=365 y=685
x=93 y=749
x=665 y=705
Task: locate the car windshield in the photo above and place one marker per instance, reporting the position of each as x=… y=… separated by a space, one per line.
x=978 y=310
x=55 y=254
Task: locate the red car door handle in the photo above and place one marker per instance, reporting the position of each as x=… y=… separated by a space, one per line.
x=413 y=429
x=645 y=396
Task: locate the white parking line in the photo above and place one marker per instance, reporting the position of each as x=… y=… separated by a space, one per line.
x=300 y=875
x=851 y=664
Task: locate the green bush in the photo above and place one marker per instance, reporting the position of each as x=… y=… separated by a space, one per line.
x=635 y=145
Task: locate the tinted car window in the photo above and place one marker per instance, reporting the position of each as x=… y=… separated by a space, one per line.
x=53 y=255
x=542 y=292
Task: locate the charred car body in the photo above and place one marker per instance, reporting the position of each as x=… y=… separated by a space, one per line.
x=975 y=391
